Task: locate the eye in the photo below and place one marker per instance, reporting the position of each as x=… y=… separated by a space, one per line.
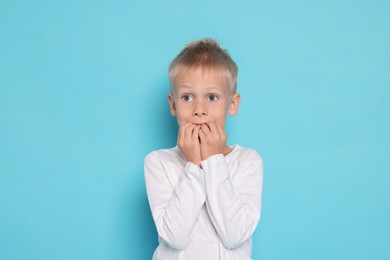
x=213 y=97
x=187 y=98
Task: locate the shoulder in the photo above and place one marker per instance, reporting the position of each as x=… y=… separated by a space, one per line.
x=251 y=163
x=162 y=155
x=247 y=154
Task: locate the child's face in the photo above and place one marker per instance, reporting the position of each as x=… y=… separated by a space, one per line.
x=202 y=96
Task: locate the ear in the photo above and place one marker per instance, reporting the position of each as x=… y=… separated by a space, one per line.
x=235 y=103
x=172 y=106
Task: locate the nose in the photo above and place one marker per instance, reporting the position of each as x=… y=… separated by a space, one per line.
x=199 y=109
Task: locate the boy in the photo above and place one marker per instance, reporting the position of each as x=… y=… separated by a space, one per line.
x=205 y=196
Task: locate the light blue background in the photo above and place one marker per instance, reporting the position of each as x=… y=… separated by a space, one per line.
x=83 y=88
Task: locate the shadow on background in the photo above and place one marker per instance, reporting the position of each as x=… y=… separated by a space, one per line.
x=148 y=234
x=160 y=133
x=136 y=222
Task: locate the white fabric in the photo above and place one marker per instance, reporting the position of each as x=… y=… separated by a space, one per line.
x=204 y=213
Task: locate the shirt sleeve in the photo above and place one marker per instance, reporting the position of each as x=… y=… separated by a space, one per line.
x=176 y=209
x=233 y=209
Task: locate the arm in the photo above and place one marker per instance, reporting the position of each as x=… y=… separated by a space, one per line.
x=174 y=209
x=233 y=209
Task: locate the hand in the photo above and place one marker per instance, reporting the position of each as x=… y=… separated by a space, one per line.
x=188 y=142
x=212 y=140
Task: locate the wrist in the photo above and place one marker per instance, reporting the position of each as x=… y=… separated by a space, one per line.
x=208 y=155
x=213 y=158
x=196 y=162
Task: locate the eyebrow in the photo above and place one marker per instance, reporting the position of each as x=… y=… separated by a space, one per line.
x=183 y=86
x=189 y=87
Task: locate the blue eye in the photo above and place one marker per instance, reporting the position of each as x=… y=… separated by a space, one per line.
x=213 y=97
x=187 y=98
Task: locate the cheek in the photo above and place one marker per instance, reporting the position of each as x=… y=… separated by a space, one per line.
x=182 y=111
x=219 y=116
x=181 y=121
x=182 y=115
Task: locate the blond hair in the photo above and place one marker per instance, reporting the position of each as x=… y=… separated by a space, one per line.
x=207 y=54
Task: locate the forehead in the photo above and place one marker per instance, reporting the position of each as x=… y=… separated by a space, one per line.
x=201 y=78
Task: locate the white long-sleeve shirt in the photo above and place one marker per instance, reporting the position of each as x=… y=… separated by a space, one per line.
x=204 y=213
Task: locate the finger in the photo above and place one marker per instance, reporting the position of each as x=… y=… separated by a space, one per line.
x=178 y=135
x=184 y=129
x=206 y=130
x=188 y=131
x=201 y=134
x=213 y=128
x=220 y=129
x=182 y=133
x=207 y=125
x=195 y=133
